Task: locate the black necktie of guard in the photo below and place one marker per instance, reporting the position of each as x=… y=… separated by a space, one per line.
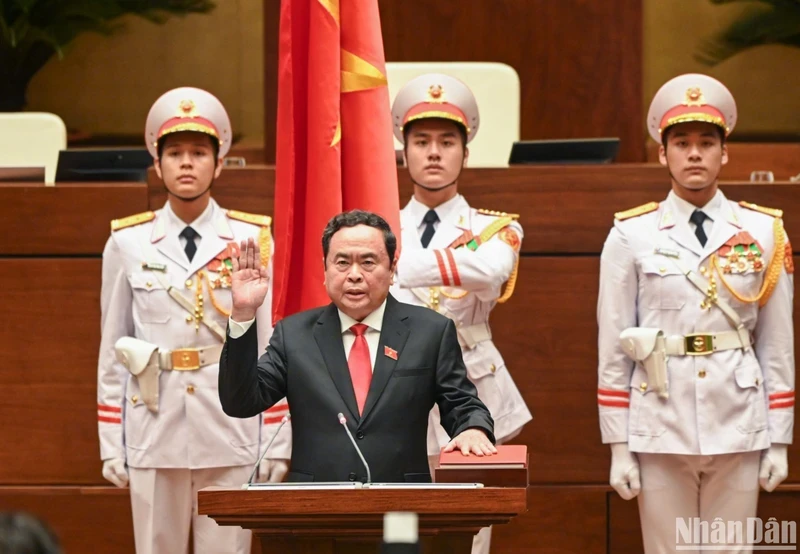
x=191 y=248
x=429 y=219
x=698 y=218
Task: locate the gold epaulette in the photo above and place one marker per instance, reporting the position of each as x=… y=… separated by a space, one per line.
x=255 y=219
x=637 y=211
x=497 y=214
x=131 y=220
x=769 y=211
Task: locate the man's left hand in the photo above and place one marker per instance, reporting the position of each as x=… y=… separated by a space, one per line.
x=472 y=441
x=272 y=471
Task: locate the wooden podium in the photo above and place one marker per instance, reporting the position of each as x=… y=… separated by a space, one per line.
x=313 y=521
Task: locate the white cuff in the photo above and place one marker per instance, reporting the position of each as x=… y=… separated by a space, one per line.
x=238 y=328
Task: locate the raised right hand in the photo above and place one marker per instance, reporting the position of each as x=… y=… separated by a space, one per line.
x=114 y=471
x=249 y=281
x=624 y=471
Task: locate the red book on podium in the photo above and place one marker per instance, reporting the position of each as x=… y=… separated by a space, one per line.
x=507 y=468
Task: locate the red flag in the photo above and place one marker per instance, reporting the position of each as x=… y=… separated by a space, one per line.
x=334 y=137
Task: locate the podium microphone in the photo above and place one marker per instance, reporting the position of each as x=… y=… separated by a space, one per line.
x=274 y=436
x=343 y=421
x=400 y=533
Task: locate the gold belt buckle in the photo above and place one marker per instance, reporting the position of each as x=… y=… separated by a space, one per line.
x=185 y=359
x=700 y=344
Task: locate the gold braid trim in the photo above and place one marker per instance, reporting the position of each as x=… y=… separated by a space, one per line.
x=264 y=244
x=772 y=274
x=494 y=227
x=220 y=309
x=512 y=281
x=488 y=233
x=458 y=296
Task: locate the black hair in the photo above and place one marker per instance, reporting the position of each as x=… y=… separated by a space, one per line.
x=354 y=218
x=717 y=129
x=214 y=146
x=462 y=131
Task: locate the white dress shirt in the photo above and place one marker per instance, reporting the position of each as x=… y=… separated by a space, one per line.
x=176 y=225
x=684 y=210
x=373 y=321
x=418 y=209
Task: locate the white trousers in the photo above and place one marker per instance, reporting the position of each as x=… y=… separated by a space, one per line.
x=483 y=540
x=164 y=505
x=676 y=489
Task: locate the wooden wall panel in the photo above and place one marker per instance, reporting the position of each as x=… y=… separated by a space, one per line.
x=67 y=219
x=570 y=208
x=579 y=61
x=564 y=209
x=95 y=519
x=249 y=189
x=48 y=393
x=560 y=520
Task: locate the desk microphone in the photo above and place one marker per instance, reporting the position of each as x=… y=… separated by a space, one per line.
x=274 y=436
x=343 y=421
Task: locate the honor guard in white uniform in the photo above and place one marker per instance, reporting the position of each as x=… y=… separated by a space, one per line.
x=696 y=375
x=457 y=260
x=166 y=297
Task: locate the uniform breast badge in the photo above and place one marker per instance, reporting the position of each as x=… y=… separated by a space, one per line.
x=222 y=265
x=741 y=254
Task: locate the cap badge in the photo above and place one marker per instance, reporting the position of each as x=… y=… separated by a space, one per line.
x=694 y=97
x=435 y=93
x=186 y=108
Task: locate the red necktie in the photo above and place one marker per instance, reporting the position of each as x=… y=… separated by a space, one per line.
x=360 y=365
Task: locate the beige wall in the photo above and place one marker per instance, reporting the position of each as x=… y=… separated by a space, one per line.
x=107 y=84
x=764 y=80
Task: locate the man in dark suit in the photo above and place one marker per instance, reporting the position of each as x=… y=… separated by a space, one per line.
x=381 y=363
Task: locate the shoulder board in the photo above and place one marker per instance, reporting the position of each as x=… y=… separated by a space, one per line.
x=637 y=211
x=255 y=219
x=131 y=220
x=755 y=207
x=497 y=214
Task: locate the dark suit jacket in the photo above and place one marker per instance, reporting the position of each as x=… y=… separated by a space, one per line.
x=306 y=363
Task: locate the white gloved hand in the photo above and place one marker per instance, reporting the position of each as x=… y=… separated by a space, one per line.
x=272 y=471
x=774 y=467
x=624 y=471
x=114 y=470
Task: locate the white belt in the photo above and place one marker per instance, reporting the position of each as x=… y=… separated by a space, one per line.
x=189 y=359
x=470 y=335
x=703 y=344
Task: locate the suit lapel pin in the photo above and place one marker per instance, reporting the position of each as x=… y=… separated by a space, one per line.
x=390 y=352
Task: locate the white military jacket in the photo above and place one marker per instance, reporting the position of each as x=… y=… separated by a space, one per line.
x=189 y=430
x=464 y=285
x=727 y=401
